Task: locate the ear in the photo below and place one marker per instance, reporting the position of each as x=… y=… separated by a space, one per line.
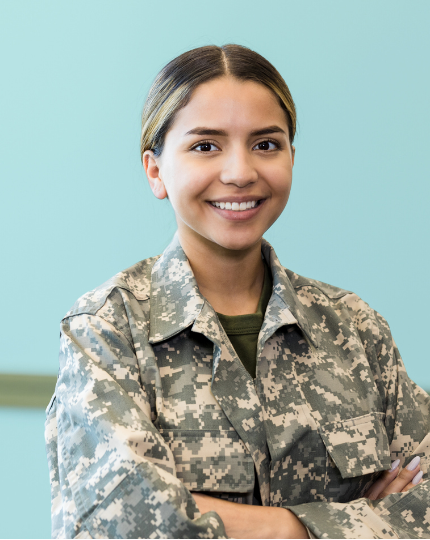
x=293 y=154
x=152 y=170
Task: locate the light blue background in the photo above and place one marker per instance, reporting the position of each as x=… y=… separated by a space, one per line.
x=76 y=208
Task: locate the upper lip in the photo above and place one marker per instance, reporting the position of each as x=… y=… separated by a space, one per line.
x=237 y=199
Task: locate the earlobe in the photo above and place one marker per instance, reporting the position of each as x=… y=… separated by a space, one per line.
x=152 y=171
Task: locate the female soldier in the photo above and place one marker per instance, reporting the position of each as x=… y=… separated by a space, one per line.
x=198 y=383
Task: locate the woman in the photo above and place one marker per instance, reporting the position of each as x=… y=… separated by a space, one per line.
x=211 y=392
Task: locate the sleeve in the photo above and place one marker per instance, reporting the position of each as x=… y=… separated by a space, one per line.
x=115 y=475
x=407 y=422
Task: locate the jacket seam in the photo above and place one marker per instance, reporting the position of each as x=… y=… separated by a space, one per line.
x=107 y=322
x=84 y=528
x=109 y=290
x=332 y=297
x=118 y=489
x=79 y=502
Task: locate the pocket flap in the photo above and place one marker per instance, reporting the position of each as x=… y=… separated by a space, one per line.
x=211 y=460
x=359 y=445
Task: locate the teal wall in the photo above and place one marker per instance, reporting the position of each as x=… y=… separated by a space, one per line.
x=25 y=491
x=74 y=202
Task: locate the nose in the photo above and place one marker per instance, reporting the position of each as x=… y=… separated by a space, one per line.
x=238 y=169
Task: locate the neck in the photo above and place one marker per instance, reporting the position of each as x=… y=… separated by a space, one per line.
x=231 y=280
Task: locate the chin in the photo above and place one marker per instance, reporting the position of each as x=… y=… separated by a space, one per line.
x=235 y=243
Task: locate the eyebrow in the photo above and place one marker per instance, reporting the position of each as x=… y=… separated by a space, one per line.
x=267 y=131
x=206 y=131
x=221 y=133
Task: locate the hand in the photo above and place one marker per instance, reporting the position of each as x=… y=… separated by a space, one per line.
x=248 y=521
x=393 y=482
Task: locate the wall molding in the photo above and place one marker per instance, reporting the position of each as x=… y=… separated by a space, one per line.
x=18 y=390
x=34 y=391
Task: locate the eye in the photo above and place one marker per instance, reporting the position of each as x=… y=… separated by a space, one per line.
x=205 y=147
x=267 y=146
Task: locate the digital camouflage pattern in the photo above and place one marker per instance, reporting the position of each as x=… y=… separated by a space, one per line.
x=152 y=402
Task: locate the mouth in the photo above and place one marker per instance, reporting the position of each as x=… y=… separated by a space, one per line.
x=236 y=206
x=237 y=211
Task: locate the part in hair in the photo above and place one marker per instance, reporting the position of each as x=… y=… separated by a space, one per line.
x=174 y=85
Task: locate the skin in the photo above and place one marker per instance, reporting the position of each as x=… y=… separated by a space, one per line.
x=233 y=163
x=235 y=168
x=393 y=482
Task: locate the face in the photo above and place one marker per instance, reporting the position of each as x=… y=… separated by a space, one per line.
x=226 y=165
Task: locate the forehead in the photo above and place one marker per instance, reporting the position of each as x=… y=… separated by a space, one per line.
x=231 y=104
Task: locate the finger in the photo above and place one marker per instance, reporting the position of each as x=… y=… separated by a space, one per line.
x=383 y=481
x=404 y=478
x=417 y=479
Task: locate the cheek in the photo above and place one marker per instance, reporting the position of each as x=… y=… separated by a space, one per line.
x=281 y=178
x=184 y=191
x=192 y=183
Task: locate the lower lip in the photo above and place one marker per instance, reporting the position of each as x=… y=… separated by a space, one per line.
x=241 y=215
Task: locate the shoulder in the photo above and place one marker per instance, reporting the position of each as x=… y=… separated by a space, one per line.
x=299 y=282
x=314 y=294
x=336 y=304
x=136 y=280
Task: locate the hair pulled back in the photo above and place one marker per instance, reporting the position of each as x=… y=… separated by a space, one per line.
x=174 y=85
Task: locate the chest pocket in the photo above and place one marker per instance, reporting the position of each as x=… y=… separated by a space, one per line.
x=358 y=446
x=211 y=460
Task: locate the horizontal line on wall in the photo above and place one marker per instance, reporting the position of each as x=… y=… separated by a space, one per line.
x=27 y=390
x=18 y=390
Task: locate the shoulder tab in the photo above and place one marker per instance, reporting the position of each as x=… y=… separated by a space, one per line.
x=329 y=290
x=135 y=279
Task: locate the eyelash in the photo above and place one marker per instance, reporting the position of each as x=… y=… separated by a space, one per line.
x=273 y=141
x=201 y=143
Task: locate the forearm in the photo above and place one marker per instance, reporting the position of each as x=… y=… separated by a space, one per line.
x=247 y=521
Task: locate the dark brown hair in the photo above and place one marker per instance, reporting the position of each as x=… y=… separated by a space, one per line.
x=174 y=85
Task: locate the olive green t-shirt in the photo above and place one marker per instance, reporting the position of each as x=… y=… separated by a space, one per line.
x=243 y=330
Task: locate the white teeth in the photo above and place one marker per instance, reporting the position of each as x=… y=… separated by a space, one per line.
x=237 y=207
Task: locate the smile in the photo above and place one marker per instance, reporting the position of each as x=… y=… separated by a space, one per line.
x=235 y=206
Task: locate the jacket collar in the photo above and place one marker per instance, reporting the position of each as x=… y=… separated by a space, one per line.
x=284 y=306
x=175 y=299
x=176 y=302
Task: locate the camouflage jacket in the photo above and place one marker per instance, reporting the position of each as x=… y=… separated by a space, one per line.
x=152 y=403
